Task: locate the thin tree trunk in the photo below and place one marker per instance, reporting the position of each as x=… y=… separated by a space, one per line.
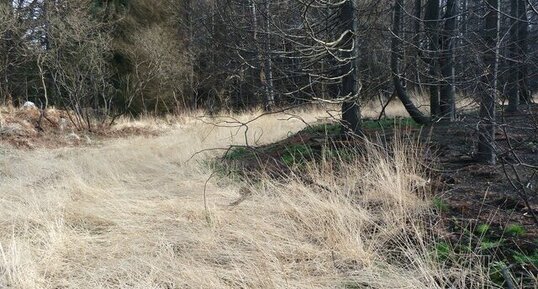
x=431 y=18
x=416 y=42
x=486 y=140
x=523 y=45
x=351 y=115
x=258 y=71
x=413 y=111
x=447 y=97
x=512 y=91
x=7 y=47
x=268 y=70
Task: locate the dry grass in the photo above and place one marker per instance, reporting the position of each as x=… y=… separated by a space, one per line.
x=130 y=214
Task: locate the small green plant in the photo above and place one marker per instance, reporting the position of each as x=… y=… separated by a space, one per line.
x=488 y=245
x=522 y=258
x=440 y=204
x=443 y=251
x=515 y=230
x=495 y=272
x=482 y=229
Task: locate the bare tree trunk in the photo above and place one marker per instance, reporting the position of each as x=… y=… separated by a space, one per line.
x=416 y=42
x=396 y=48
x=486 y=140
x=268 y=71
x=447 y=97
x=351 y=114
x=523 y=45
x=512 y=91
x=7 y=48
x=431 y=18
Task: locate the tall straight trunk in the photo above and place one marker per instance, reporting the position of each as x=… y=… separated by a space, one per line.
x=431 y=23
x=7 y=46
x=447 y=97
x=258 y=71
x=523 y=45
x=416 y=42
x=512 y=91
x=396 y=49
x=351 y=114
x=486 y=140
x=267 y=66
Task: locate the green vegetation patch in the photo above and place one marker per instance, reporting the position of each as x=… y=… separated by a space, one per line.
x=297 y=154
x=524 y=259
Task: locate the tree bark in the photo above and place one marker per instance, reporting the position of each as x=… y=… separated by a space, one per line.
x=512 y=91
x=486 y=140
x=416 y=42
x=447 y=97
x=351 y=114
x=268 y=61
x=413 y=111
x=431 y=18
x=523 y=45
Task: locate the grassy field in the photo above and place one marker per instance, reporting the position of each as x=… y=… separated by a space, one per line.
x=142 y=212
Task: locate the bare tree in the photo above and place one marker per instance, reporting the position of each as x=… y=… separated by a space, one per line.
x=486 y=140
x=447 y=97
x=351 y=115
x=396 y=49
x=431 y=19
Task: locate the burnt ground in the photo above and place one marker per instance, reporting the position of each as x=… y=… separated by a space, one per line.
x=486 y=209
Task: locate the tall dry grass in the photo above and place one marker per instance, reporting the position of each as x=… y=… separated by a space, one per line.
x=130 y=214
